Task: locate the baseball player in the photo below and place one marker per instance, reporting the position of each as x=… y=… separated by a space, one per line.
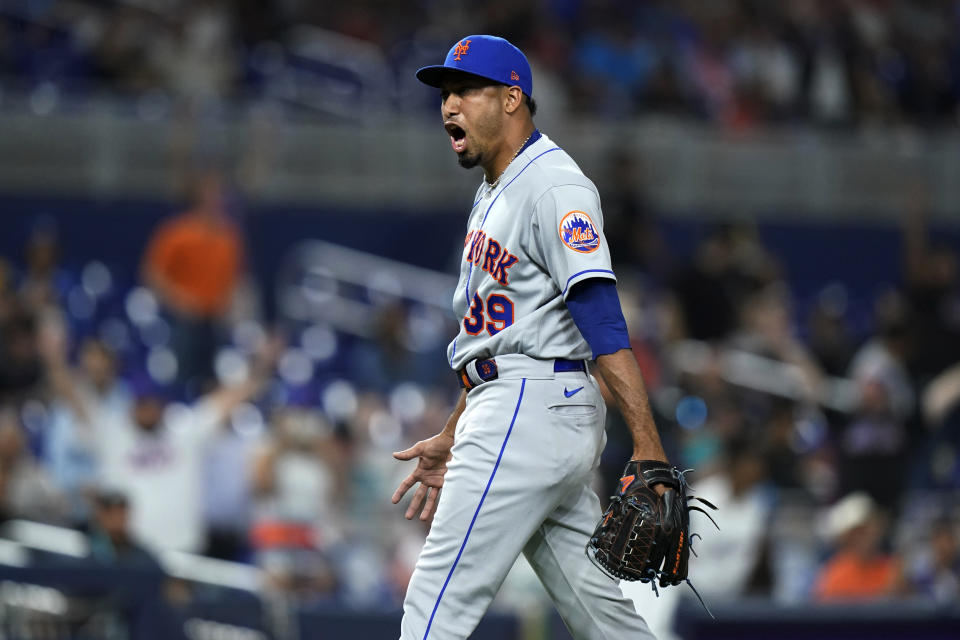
x=536 y=299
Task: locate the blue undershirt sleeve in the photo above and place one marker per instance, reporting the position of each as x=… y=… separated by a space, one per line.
x=595 y=308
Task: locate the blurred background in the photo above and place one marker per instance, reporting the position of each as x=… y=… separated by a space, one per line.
x=230 y=236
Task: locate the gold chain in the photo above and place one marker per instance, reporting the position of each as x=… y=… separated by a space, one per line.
x=493 y=185
x=517 y=152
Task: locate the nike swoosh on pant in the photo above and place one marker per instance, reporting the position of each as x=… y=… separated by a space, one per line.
x=571 y=393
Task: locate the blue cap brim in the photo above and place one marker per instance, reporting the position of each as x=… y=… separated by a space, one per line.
x=434 y=75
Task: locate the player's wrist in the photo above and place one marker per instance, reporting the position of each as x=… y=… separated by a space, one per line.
x=641 y=455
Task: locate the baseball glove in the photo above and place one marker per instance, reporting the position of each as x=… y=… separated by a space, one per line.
x=645 y=536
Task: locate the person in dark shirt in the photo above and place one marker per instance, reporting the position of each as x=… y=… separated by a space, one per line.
x=110 y=539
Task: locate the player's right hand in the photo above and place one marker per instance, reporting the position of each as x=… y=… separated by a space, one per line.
x=433 y=454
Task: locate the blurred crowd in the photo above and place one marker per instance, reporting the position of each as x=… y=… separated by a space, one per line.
x=154 y=412
x=738 y=63
x=829 y=445
x=161 y=412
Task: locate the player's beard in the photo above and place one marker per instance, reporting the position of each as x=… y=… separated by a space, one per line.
x=472 y=154
x=468 y=159
x=480 y=136
x=485 y=129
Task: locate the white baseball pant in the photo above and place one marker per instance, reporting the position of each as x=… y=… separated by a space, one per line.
x=525 y=449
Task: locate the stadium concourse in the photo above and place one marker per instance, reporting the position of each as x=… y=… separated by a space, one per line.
x=205 y=451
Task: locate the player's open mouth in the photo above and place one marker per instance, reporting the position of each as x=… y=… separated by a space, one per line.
x=458 y=137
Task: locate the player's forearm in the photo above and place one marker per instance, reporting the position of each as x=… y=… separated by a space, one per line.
x=450 y=428
x=622 y=376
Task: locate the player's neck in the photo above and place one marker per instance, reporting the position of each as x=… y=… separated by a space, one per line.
x=509 y=150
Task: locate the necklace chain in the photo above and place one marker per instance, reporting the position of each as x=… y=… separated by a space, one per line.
x=493 y=185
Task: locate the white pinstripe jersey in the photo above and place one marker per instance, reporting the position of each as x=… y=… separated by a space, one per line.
x=530 y=238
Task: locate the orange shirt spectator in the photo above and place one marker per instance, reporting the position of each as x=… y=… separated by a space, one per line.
x=194 y=260
x=860 y=569
x=848 y=576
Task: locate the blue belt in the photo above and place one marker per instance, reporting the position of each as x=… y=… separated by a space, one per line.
x=560 y=365
x=487 y=370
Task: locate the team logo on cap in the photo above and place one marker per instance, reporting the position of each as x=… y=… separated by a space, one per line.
x=461 y=49
x=578 y=233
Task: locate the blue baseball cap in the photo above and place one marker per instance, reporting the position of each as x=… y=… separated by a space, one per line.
x=142 y=385
x=489 y=57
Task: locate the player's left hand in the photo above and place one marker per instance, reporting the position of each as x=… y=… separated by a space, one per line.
x=645 y=532
x=433 y=454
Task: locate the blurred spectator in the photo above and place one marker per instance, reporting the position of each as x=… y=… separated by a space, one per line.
x=936 y=573
x=780 y=445
x=873 y=445
x=628 y=217
x=196 y=59
x=707 y=63
x=20 y=368
x=941 y=398
x=193 y=262
x=86 y=396
x=296 y=519
x=26 y=490
x=388 y=359
x=744 y=501
x=113 y=546
x=933 y=289
x=884 y=356
x=613 y=64
x=767 y=67
x=831 y=341
x=156 y=451
x=227 y=490
x=729 y=266
x=8 y=293
x=701 y=288
x=122 y=55
x=110 y=539
x=859 y=569
x=940 y=467
x=767 y=330
x=44 y=283
x=376 y=538
x=708 y=415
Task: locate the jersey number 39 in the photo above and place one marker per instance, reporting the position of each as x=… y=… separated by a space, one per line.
x=499 y=314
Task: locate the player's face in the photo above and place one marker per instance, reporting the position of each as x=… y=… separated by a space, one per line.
x=472 y=111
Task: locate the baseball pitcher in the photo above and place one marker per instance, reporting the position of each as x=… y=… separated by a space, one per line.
x=510 y=471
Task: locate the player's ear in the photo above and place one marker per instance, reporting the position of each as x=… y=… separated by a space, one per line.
x=512 y=99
